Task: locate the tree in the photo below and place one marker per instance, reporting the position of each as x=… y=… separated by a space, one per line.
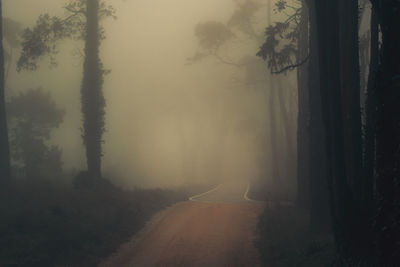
x=241 y=26
x=388 y=133
x=4 y=146
x=11 y=31
x=82 y=22
x=350 y=92
x=32 y=117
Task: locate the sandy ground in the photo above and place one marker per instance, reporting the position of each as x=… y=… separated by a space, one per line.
x=195 y=233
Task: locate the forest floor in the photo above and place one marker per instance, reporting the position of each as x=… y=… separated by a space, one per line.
x=217 y=228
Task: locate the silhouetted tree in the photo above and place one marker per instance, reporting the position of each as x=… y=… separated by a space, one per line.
x=350 y=92
x=318 y=183
x=291 y=44
x=82 y=23
x=4 y=146
x=388 y=133
x=370 y=114
x=32 y=117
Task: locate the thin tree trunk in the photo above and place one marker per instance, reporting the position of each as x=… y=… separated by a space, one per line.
x=273 y=135
x=276 y=179
x=288 y=151
x=4 y=145
x=303 y=131
x=93 y=102
x=370 y=127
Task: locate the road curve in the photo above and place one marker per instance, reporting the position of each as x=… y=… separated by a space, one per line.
x=214 y=229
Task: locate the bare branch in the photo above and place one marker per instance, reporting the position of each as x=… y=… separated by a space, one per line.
x=224 y=61
x=291 y=67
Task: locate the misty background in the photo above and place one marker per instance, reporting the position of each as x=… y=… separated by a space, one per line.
x=167 y=122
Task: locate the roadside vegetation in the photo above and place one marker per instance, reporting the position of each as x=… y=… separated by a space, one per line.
x=53 y=223
x=285 y=239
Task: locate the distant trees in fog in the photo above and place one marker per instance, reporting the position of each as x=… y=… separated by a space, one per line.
x=31 y=118
x=4 y=146
x=81 y=22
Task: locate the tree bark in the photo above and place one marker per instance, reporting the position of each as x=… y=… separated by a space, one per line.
x=4 y=145
x=350 y=92
x=303 y=131
x=93 y=102
x=370 y=127
x=388 y=133
x=327 y=13
x=319 y=193
x=273 y=128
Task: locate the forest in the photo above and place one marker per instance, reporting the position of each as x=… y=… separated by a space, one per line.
x=200 y=133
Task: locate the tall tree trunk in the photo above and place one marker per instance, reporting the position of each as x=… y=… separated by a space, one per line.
x=273 y=128
x=4 y=146
x=388 y=133
x=319 y=193
x=370 y=127
x=288 y=151
x=350 y=92
x=327 y=12
x=93 y=102
x=303 y=131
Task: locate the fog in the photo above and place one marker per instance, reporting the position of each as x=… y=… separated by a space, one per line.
x=167 y=122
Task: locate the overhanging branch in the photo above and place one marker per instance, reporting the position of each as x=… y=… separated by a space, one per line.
x=291 y=67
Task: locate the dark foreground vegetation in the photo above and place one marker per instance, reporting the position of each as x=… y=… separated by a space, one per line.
x=286 y=240
x=48 y=223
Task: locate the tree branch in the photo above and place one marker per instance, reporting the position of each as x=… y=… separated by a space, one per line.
x=291 y=67
x=222 y=60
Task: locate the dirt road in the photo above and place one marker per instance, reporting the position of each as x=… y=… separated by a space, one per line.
x=213 y=229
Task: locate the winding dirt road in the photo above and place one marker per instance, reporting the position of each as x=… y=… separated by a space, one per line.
x=216 y=228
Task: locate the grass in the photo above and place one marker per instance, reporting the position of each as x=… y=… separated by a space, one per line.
x=45 y=223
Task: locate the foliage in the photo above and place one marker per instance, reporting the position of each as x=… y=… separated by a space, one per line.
x=212 y=35
x=280 y=46
x=242 y=18
x=32 y=117
x=44 y=37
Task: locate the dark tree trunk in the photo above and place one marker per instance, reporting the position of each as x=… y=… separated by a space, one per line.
x=350 y=92
x=319 y=193
x=4 y=146
x=388 y=133
x=303 y=131
x=370 y=109
x=273 y=128
x=332 y=109
x=287 y=155
x=93 y=102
